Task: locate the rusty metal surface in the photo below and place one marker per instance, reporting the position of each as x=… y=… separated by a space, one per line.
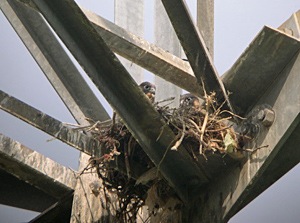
x=140 y=117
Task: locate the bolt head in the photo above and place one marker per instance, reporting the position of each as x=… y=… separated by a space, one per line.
x=269 y=117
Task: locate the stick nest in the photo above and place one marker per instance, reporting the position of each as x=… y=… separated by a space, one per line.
x=203 y=131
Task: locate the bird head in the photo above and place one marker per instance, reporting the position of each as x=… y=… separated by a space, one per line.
x=189 y=100
x=149 y=90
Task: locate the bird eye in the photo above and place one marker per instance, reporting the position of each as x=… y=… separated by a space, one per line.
x=147 y=87
x=189 y=99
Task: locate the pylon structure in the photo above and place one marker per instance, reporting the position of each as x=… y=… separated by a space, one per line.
x=263 y=82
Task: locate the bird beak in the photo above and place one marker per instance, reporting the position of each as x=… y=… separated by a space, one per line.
x=152 y=91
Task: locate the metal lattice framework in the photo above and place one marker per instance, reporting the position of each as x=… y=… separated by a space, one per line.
x=93 y=41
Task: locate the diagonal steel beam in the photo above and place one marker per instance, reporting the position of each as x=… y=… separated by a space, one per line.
x=262 y=62
x=123 y=94
x=58 y=212
x=278 y=144
x=35 y=169
x=54 y=62
x=30 y=180
x=55 y=128
x=195 y=49
x=145 y=54
x=48 y=124
x=282 y=138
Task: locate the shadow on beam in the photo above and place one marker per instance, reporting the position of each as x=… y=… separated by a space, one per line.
x=58 y=212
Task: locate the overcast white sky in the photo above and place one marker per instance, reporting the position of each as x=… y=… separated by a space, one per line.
x=236 y=23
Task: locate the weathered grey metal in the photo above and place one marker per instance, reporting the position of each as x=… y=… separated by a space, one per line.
x=292 y=25
x=17 y=193
x=148 y=56
x=141 y=52
x=267 y=117
x=205 y=23
x=258 y=67
x=140 y=117
x=275 y=148
x=48 y=124
x=53 y=60
x=31 y=166
x=61 y=73
x=129 y=14
x=165 y=37
x=58 y=212
x=195 y=49
x=41 y=172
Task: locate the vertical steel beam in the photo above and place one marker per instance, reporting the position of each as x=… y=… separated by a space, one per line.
x=129 y=14
x=195 y=49
x=205 y=23
x=165 y=37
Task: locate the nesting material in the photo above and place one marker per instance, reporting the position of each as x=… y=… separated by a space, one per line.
x=203 y=131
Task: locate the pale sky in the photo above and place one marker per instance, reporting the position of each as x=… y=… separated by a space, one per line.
x=236 y=24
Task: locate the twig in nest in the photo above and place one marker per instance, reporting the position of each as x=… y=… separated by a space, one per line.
x=231 y=113
x=208 y=102
x=165 y=100
x=217 y=111
x=255 y=149
x=164 y=156
x=196 y=126
x=161 y=132
x=219 y=130
x=91 y=164
x=223 y=119
x=178 y=142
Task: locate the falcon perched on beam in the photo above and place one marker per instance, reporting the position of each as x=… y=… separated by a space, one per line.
x=149 y=90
